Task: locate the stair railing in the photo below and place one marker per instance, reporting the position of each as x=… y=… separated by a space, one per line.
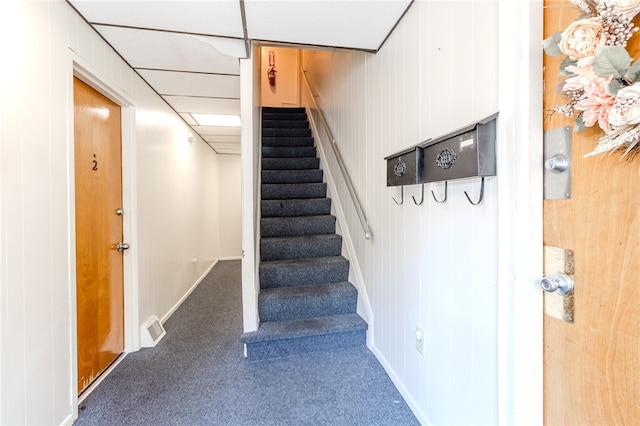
x=336 y=153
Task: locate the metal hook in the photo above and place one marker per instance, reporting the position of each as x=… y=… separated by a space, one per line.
x=481 y=194
x=445 y=194
x=421 y=199
x=401 y=196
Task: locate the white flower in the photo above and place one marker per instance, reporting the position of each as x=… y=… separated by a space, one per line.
x=581 y=38
x=626 y=109
x=628 y=7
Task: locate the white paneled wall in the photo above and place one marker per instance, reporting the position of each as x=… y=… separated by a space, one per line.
x=171 y=201
x=230 y=206
x=432 y=266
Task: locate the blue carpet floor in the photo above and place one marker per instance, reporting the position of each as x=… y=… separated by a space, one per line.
x=197 y=375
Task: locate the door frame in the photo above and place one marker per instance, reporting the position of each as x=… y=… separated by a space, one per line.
x=519 y=164
x=79 y=68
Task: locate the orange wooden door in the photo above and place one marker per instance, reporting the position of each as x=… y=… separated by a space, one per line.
x=592 y=367
x=99 y=265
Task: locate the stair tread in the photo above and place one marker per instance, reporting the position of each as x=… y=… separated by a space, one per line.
x=291 y=329
x=308 y=290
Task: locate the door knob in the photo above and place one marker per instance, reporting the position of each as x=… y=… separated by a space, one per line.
x=558 y=282
x=557 y=164
x=122 y=246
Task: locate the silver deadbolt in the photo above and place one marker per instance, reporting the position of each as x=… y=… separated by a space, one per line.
x=122 y=246
x=558 y=283
x=557 y=164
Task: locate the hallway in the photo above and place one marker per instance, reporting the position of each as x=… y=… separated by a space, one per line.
x=197 y=375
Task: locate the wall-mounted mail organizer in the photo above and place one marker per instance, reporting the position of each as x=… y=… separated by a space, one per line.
x=464 y=153
x=405 y=168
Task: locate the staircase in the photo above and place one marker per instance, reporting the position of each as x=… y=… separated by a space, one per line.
x=306 y=302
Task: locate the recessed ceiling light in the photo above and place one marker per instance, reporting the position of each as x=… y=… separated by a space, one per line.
x=222 y=120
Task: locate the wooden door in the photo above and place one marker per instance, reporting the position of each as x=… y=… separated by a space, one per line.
x=592 y=367
x=99 y=265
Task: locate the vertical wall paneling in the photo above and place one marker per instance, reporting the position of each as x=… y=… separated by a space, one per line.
x=172 y=202
x=434 y=265
x=231 y=207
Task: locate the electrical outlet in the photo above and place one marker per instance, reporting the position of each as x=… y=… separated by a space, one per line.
x=420 y=340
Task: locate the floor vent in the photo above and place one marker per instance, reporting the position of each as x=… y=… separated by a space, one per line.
x=152 y=332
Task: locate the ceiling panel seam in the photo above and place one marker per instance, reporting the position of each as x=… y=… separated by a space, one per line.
x=187 y=72
x=129 y=27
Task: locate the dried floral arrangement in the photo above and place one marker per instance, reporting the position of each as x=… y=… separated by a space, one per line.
x=602 y=83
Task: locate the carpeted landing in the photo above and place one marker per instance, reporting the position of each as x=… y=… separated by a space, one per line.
x=197 y=375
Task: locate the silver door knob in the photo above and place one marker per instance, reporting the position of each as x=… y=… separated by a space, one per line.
x=558 y=282
x=557 y=164
x=122 y=246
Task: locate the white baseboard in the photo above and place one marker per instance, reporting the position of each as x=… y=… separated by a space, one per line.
x=413 y=405
x=231 y=258
x=184 y=297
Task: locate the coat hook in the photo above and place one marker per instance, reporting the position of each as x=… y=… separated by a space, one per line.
x=445 y=194
x=401 y=196
x=421 y=198
x=481 y=194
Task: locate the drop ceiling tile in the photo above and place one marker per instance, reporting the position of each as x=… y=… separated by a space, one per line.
x=219 y=131
x=188 y=119
x=357 y=24
x=232 y=139
x=220 y=17
x=184 y=52
x=204 y=105
x=193 y=84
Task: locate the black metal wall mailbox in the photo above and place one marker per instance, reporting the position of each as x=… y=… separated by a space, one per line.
x=466 y=152
x=405 y=167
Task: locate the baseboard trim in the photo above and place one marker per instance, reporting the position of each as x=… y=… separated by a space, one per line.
x=231 y=258
x=188 y=293
x=413 y=405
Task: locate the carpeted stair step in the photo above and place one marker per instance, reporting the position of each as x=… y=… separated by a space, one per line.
x=288 y=152
x=287 y=141
x=284 y=124
x=319 y=300
x=306 y=302
x=295 y=207
x=298 y=272
x=297 y=225
x=283 y=110
x=286 y=132
x=290 y=163
x=300 y=247
x=277 y=339
x=283 y=191
x=284 y=116
x=292 y=176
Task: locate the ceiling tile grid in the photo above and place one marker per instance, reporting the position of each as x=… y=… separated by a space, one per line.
x=189 y=51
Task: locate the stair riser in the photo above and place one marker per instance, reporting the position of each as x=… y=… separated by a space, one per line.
x=293 y=191
x=283 y=110
x=288 y=152
x=283 y=248
x=287 y=141
x=290 y=347
x=279 y=274
x=292 y=176
x=290 y=163
x=272 y=116
x=286 y=132
x=305 y=207
x=290 y=226
x=285 y=124
x=300 y=305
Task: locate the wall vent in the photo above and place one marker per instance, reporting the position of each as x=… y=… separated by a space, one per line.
x=152 y=332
